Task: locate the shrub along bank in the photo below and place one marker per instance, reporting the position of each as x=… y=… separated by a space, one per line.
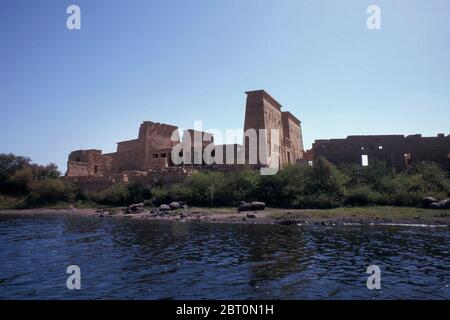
x=24 y=184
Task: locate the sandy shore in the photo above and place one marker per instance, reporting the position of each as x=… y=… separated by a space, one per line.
x=339 y=216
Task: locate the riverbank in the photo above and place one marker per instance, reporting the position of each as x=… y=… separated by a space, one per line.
x=351 y=215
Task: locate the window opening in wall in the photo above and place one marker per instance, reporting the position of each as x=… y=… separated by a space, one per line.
x=408 y=159
x=78 y=160
x=163 y=155
x=364 y=160
x=155 y=156
x=95 y=169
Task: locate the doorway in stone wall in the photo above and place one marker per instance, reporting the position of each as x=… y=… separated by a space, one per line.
x=364 y=160
x=408 y=159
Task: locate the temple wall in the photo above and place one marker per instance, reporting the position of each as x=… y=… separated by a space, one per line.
x=397 y=150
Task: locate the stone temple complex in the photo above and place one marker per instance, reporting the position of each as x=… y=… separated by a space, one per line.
x=149 y=158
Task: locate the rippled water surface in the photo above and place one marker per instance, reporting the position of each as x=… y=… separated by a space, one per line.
x=130 y=259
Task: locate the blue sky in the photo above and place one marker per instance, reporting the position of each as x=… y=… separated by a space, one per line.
x=180 y=61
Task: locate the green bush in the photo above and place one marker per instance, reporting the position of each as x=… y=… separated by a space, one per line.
x=372 y=175
x=201 y=184
x=433 y=178
x=12 y=202
x=283 y=188
x=218 y=189
x=240 y=186
x=138 y=193
x=115 y=195
x=322 y=185
x=362 y=196
x=180 y=192
x=325 y=178
x=16 y=174
x=50 y=191
x=159 y=196
x=10 y=164
x=203 y=189
x=21 y=180
x=407 y=189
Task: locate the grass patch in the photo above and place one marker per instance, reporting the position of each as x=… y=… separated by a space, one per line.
x=381 y=212
x=7 y=202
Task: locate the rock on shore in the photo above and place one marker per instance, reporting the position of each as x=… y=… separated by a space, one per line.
x=433 y=203
x=252 y=206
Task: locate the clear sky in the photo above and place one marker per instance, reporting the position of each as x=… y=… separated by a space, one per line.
x=185 y=60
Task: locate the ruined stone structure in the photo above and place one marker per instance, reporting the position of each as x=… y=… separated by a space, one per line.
x=84 y=163
x=149 y=151
x=292 y=138
x=150 y=156
x=399 y=151
x=264 y=112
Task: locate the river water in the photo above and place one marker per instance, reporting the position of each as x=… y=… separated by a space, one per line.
x=134 y=259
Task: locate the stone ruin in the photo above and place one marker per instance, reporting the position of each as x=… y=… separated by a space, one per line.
x=148 y=158
x=397 y=151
